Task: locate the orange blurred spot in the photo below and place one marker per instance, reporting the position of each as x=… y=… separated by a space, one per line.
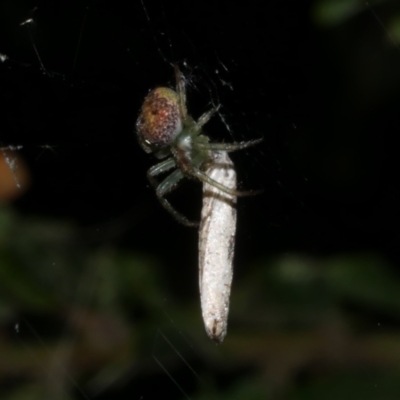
x=14 y=176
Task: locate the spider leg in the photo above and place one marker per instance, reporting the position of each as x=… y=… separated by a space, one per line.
x=229 y=147
x=205 y=117
x=157 y=169
x=181 y=91
x=161 y=167
x=167 y=186
x=205 y=178
x=169 y=183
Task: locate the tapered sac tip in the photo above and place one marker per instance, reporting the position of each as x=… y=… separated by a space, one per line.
x=216 y=330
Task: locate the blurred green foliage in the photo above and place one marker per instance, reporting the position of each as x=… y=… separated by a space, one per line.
x=82 y=318
x=332 y=12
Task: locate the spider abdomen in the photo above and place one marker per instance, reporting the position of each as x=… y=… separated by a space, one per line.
x=159 y=121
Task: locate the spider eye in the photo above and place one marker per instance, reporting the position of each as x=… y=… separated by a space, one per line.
x=159 y=121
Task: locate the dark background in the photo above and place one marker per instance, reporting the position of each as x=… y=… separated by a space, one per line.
x=97 y=278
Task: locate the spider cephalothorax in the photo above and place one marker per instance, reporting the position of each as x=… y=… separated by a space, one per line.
x=165 y=129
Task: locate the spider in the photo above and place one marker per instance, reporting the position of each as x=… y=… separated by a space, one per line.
x=165 y=128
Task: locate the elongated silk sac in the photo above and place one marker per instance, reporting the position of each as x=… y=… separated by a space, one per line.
x=216 y=246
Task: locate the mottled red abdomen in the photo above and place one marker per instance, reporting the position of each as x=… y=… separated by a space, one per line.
x=159 y=122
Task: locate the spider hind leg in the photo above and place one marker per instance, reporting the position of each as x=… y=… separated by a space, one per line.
x=233 y=192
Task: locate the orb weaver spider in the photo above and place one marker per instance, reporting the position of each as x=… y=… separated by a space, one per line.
x=165 y=128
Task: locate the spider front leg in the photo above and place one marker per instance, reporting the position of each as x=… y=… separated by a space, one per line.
x=205 y=118
x=228 y=147
x=166 y=186
x=181 y=91
x=225 y=147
